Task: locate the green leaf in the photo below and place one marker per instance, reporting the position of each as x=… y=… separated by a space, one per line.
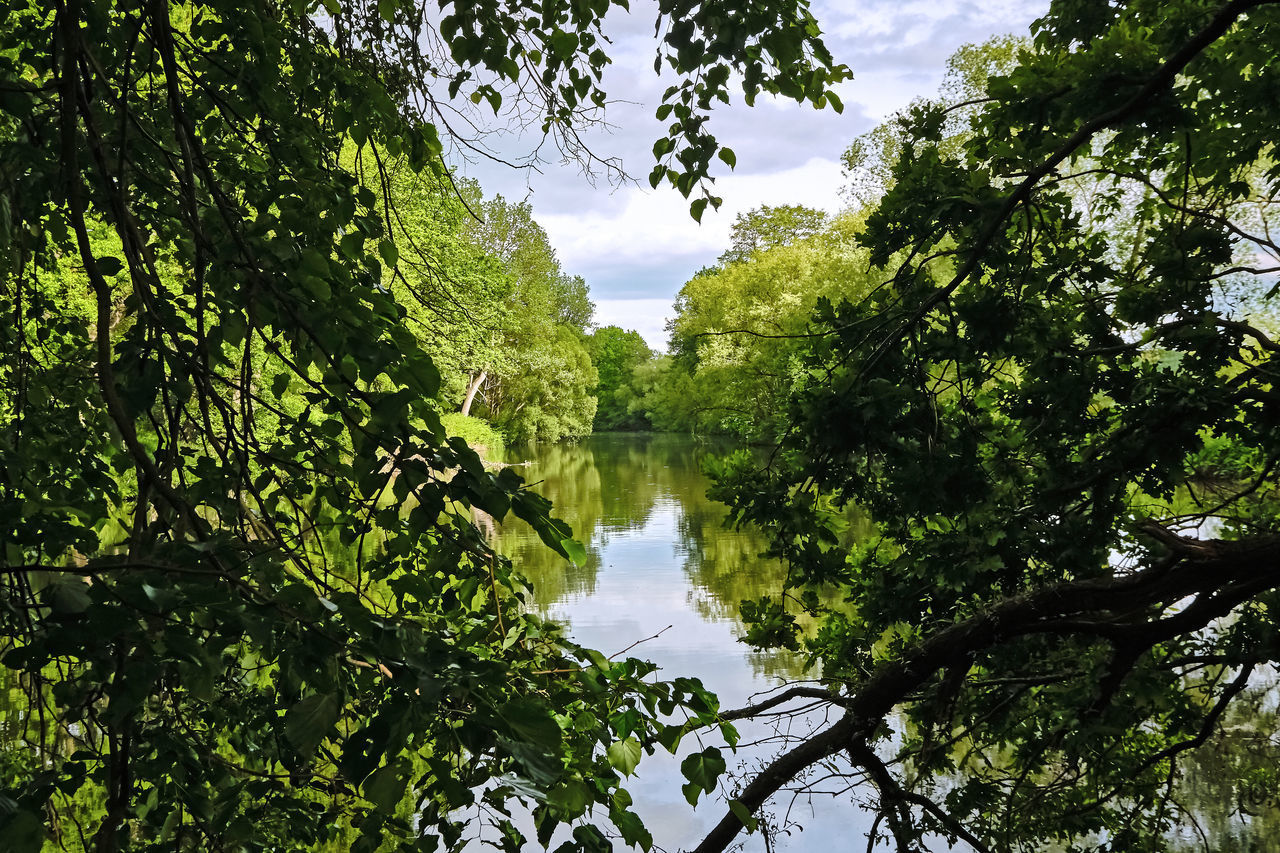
x=633 y=830
x=109 y=266
x=390 y=254
x=743 y=814
x=624 y=755
x=386 y=786
x=563 y=44
x=574 y=550
x=70 y=595
x=532 y=722
x=351 y=245
x=704 y=768
x=280 y=384
x=572 y=797
x=23 y=832
x=670 y=736
x=309 y=721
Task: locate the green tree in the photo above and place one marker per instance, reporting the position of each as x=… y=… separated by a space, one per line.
x=239 y=586
x=534 y=383
x=869 y=160
x=1065 y=439
x=546 y=395
x=616 y=353
x=738 y=332
x=456 y=295
x=767 y=227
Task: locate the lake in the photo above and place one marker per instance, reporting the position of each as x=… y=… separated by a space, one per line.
x=660 y=562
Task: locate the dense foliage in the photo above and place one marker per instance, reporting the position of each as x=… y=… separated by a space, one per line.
x=1058 y=409
x=616 y=354
x=768 y=227
x=241 y=595
x=534 y=382
x=740 y=328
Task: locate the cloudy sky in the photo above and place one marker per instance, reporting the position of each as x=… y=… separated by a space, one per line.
x=636 y=246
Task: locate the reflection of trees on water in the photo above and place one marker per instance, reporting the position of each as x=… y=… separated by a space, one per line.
x=568 y=476
x=1231 y=785
x=606 y=486
x=614 y=484
x=726 y=566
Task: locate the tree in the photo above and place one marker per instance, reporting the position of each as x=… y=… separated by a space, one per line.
x=534 y=381
x=455 y=294
x=768 y=227
x=738 y=331
x=239 y=584
x=1066 y=442
x=869 y=160
x=546 y=395
x=616 y=353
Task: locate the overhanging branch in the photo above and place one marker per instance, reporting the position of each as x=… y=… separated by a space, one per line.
x=1222 y=574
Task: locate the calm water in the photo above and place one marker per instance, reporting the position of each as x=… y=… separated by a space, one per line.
x=661 y=561
x=659 y=556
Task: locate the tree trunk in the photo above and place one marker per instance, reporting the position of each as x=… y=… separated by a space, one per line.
x=476 y=382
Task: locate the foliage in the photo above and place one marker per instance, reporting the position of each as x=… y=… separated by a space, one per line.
x=869 y=160
x=616 y=353
x=663 y=393
x=478 y=434
x=535 y=383
x=456 y=295
x=739 y=330
x=547 y=396
x=240 y=590
x=1063 y=427
x=541 y=290
x=768 y=227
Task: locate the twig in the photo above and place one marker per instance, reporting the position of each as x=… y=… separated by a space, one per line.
x=638 y=642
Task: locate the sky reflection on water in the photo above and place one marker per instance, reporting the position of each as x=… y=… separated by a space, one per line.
x=661 y=563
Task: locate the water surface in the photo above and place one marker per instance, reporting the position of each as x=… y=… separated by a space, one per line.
x=660 y=562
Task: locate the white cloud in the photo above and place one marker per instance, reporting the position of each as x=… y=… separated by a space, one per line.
x=646 y=316
x=629 y=242
x=653 y=229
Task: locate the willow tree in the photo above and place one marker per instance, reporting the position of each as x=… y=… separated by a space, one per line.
x=238 y=585
x=1060 y=412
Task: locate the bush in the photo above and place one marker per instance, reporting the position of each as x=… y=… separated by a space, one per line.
x=480 y=434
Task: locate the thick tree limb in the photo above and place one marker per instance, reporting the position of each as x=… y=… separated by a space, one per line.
x=1222 y=574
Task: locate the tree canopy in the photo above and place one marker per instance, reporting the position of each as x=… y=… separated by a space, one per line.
x=768 y=227
x=1058 y=411
x=739 y=329
x=535 y=380
x=240 y=590
x=616 y=353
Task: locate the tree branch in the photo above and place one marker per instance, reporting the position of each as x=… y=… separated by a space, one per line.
x=1163 y=77
x=1222 y=573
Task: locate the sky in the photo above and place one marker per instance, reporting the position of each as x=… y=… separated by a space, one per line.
x=636 y=246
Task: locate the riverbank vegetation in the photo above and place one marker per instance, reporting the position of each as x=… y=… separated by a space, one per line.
x=245 y=597
x=244 y=603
